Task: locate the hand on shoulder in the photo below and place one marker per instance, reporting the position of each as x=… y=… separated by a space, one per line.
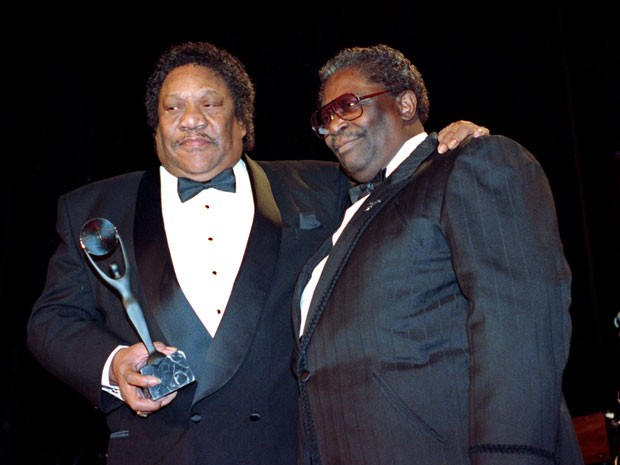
x=453 y=134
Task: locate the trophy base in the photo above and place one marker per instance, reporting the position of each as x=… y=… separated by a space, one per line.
x=173 y=371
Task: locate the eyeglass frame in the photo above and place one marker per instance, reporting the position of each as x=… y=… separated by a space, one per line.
x=314 y=118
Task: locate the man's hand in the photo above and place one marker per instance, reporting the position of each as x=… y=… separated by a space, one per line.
x=125 y=372
x=453 y=134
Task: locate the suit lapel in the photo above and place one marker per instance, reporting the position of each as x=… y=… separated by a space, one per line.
x=340 y=253
x=304 y=277
x=151 y=249
x=251 y=289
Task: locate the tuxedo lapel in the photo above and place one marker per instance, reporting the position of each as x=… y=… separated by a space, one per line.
x=304 y=277
x=151 y=250
x=340 y=253
x=170 y=316
x=250 y=291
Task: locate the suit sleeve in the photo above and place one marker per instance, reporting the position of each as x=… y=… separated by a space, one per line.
x=66 y=330
x=501 y=225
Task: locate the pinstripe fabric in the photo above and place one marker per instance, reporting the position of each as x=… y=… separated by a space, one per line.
x=440 y=328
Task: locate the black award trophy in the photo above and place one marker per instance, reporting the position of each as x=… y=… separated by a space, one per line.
x=99 y=238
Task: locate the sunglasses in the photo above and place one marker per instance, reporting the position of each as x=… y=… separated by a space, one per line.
x=347 y=107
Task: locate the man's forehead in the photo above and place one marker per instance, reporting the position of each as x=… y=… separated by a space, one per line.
x=195 y=80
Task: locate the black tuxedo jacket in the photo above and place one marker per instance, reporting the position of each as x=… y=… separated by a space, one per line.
x=242 y=409
x=440 y=328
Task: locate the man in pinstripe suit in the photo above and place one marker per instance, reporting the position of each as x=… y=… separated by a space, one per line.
x=434 y=325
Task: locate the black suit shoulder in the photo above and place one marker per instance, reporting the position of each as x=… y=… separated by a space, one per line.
x=317 y=174
x=495 y=144
x=118 y=183
x=308 y=185
x=485 y=159
x=113 y=198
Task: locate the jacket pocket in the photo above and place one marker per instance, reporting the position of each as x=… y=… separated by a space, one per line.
x=412 y=418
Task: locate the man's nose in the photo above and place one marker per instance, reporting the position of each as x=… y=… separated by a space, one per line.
x=192 y=119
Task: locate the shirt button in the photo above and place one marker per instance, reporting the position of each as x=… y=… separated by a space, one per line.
x=254 y=416
x=305 y=375
x=196 y=418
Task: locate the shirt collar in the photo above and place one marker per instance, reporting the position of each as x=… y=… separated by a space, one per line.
x=403 y=153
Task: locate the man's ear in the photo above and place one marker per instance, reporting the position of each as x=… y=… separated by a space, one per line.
x=407 y=104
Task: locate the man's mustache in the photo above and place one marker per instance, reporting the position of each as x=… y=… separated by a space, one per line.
x=193 y=135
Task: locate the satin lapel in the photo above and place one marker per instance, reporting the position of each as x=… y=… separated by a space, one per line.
x=251 y=290
x=169 y=315
x=151 y=247
x=304 y=277
x=340 y=253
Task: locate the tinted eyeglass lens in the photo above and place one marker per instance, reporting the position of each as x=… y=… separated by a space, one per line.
x=347 y=107
x=325 y=116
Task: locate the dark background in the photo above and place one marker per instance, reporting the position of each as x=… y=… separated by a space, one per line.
x=542 y=72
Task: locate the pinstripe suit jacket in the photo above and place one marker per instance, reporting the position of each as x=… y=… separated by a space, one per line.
x=440 y=328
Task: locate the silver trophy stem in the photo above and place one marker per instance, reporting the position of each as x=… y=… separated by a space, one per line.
x=99 y=237
x=132 y=307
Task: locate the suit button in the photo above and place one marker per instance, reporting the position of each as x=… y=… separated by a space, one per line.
x=305 y=375
x=196 y=418
x=254 y=416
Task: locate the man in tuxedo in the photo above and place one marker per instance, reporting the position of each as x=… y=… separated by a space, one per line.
x=434 y=325
x=213 y=269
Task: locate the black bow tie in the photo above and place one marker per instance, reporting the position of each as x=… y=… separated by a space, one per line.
x=360 y=190
x=188 y=188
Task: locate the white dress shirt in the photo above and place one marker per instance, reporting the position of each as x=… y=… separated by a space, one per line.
x=308 y=292
x=207 y=236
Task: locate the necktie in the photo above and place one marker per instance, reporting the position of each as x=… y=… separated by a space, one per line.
x=188 y=188
x=359 y=190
